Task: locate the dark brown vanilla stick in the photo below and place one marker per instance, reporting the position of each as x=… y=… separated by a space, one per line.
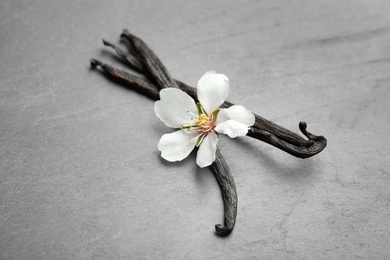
x=151 y=62
x=276 y=135
x=139 y=84
x=221 y=170
x=263 y=129
x=220 y=167
x=131 y=60
x=157 y=77
x=229 y=194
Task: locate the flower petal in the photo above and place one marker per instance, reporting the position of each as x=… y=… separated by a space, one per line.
x=173 y=106
x=212 y=90
x=206 y=152
x=176 y=146
x=234 y=121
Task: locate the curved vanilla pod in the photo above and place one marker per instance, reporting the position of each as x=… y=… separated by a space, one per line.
x=154 y=77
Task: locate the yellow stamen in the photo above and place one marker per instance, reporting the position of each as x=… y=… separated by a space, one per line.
x=203 y=120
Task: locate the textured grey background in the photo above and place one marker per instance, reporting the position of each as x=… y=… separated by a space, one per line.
x=81 y=176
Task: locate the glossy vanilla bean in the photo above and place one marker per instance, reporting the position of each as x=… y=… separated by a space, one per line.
x=163 y=79
x=263 y=129
x=136 y=82
x=276 y=135
x=156 y=77
x=229 y=194
x=150 y=61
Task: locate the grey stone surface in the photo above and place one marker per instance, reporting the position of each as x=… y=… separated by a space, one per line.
x=81 y=176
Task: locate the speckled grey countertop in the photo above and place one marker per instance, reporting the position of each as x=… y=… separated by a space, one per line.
x=80 y=173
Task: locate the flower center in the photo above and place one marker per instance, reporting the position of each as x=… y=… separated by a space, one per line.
x=203 y=120
x=204 y=124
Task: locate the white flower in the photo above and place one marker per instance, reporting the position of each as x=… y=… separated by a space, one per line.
x=200 y=122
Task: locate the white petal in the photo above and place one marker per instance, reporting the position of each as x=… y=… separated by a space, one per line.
x=206 y=152
x=238 y=113
x=175 y=146
x=172 y=107
x=212 y=90
x=234 y=121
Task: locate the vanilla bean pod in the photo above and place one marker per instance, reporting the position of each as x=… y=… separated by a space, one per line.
x=155 y=77
x=151 y=62
x=139 y=84
x=131 y=60
x=164 y=80
x=221 y=170
x=263 y=129
x=229 y=194
x=276 y=135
